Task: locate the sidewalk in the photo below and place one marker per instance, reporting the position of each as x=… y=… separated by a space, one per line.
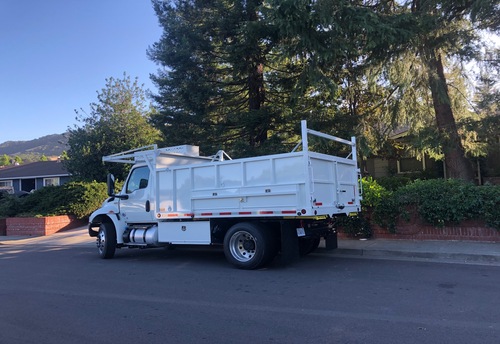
x=469 y=252
x=76 y=236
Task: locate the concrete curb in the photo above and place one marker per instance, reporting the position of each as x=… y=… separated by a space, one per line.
x=464 y=257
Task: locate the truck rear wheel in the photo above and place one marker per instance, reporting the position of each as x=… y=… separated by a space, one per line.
x=106 y=241
x=308 y=245
x=249 y=246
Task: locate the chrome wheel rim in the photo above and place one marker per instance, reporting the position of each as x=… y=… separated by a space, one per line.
x=242 y=246
x=101 y=240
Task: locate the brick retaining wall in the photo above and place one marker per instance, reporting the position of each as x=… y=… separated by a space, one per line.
x=469 y=230
x=38 y=226
x=3 y=226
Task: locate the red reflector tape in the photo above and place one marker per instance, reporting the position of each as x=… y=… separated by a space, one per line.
x=265 y=212
x=188 y=214
x=172 y=215
x=288 y=212
x=318 y=203
x=225 y=213
x=350 y=202
x=206 y=214
x=245 y=213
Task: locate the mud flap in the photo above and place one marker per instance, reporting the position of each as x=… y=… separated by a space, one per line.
x=331 y=242
x=289 y=243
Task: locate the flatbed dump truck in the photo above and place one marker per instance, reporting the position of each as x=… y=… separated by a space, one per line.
x=254 y=207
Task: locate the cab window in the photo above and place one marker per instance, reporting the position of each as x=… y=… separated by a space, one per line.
x=139 y=178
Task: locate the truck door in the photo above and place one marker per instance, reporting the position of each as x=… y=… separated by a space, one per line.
x=137 y=208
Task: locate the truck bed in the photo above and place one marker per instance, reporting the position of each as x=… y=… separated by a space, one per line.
x=292 y=184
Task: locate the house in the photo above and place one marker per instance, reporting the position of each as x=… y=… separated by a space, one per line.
x=33 y=176
x=403 y=162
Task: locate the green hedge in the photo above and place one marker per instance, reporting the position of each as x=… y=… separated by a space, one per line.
x=75 y=198
x=359 y=225
x=436 y=201
x=440 y=202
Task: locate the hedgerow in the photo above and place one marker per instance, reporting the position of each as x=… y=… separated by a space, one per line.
x=79 y=199
x=440 y=202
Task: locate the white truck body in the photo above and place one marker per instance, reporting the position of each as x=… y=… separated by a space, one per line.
x=184 y=196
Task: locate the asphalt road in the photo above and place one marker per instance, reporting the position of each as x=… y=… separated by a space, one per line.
x=66 y=294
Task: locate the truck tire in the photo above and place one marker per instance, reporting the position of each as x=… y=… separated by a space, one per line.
x=249 y=245
x=308 y=245
x=106 y=240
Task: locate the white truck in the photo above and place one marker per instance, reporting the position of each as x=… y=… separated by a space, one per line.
x=254 y=207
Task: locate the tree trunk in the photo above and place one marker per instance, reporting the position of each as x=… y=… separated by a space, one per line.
x=256 y=90
x=457 y=165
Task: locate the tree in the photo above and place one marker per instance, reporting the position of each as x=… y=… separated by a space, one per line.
x=43 y=158
x=118 y=121
x=240 y=72
x=243 y=74
x=4 y=160
x=446 y=31
x=212 y=90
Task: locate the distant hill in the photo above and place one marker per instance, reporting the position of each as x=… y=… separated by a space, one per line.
x=29 y=151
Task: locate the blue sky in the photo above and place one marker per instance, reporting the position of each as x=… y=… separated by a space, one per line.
x=56 y=54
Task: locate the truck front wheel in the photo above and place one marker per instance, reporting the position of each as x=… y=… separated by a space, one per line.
x=249 y=246
x=106 y=240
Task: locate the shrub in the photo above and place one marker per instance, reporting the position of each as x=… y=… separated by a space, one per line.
x=394 y=182
x=86 y=197
x=9 y=205
x=439 y=201
x=490 y=209
x=75 y=198
x=357 y=226
x=47 y=201
x=373 y=192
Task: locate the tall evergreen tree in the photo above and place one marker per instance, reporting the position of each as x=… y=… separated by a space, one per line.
x=211 y=88
x=241 y=73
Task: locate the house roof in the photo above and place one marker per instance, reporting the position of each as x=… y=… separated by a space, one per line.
x=38 y=169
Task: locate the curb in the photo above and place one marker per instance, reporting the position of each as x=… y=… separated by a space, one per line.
x=446 y=257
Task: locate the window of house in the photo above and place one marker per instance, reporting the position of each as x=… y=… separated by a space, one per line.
x=5 y=182
x=407 y=165
x=51 y=181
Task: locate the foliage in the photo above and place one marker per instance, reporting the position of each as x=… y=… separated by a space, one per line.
x=49 y=200
x=490 y=207
x=86 y=197
x=393 y=183
x=75 y=198
x=439 y=202
x=359 y=224
x=4 y=160
x=212 y=91
x=356 y=226
x=246 y=72
x=118 y=121
x=9 y=205
x=373 y=192
x=244 y=75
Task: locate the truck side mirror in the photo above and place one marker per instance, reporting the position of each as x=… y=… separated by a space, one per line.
x=111 y=185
